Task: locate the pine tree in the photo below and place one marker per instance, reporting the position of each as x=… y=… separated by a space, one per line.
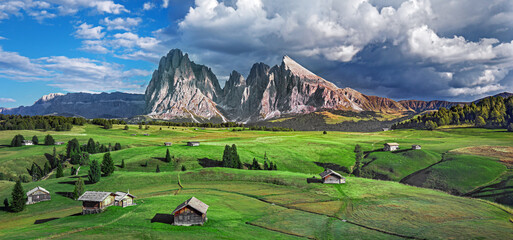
x=107 y=164
x=35 y=140
x=123 y=163
x=158 y=169
x=18 y=197
x=324 y=132
x=60 y=172
x=49 y=140
x=72 y=171
x=6 y=203
x=72 y=148
x=53 y=164
x=168 y=156
x=358 y=159
x=271 y=167
x=46 y=169
x=94 y=174
x=184 y=168
x=91 y=146
x=117 y=146
x=227 y=157
x=79 y=188
x=126 y=127
x=266 y=167
x=17 y=140
x=255 y=165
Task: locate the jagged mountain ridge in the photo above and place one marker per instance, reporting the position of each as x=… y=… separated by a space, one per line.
x=103 y=105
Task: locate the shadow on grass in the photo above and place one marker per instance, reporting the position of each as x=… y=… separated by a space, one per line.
x=39 y=221
x=163 y=218
x=207 y=162
x=314 y=180
x=160 y=159
x=333 y=166
x=86 y=182
x=66 y=194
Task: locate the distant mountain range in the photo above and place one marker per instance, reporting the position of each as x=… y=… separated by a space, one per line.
x=182 y=90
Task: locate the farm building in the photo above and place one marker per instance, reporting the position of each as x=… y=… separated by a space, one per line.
x=391 y=146
x=190 y=212
x=124 y=199
x=27 y=143
x=416 y=147
x=60 y=143
x=193 y=144
x=385 y=129
x=168 y=144
x=96 y=202
x=330 y=176
x=38 y=194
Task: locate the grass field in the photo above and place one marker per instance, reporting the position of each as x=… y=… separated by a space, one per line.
x=273 y=204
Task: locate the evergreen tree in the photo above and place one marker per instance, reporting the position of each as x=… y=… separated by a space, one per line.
x=236 y=163
x=72 y=148
x=126 y=127
x=480 y=122
x=35 y=140
x=79 y=188
x=184 y=168
x=17 y=140
x=94 y=174
x=53 y=163
x=72 y=171
x=49 y=140
x=91 y=146
x=6 y=203
x=358 y=160
x=60 y=172
x=430 y=125
x=107 y=164
x=227 y=157
x=18 y=198
x=271 y=167
x=255 y=165
x=46 y=169
x=158 y=169
x=168 y=156
x=117 y=146
x=266 y=167
x=510 y=127
x=324 y=132
x=122 y=163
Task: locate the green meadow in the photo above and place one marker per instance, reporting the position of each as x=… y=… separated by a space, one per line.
x=250 y=204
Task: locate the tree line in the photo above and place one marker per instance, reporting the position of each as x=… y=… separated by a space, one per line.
x=491 y=112
x=46 y=123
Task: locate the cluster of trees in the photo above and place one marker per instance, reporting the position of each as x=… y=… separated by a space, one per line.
x=264 y=128
x=231 y=158
x=492 y=112
x=96 y=169
x=106 y=123
x=57 y=123
x=256 y=166
x=18 y=140
x=54 y=163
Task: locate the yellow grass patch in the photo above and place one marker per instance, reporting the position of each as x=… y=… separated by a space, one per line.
x=503 y=153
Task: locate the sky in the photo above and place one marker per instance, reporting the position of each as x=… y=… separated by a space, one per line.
x=457 y=50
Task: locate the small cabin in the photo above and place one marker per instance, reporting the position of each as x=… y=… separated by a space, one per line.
x=385 y=129
x=27 y=143
x=146 y=134
x=38 y=194
x=416 y=147
x=330 y=176
x=168 y=144
x=124 y=199
x=391 y=147
x=190 y=212
x=193 y=144
x=96 y=202
x=60 y=143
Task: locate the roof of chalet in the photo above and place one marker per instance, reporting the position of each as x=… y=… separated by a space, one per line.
x=193 y=203
x=121 y=195
x=35 y=189
x=330 y=172
x=92 y=196
x=193 y=142
x=27 y=141
x=392 y=144
x=415 y=145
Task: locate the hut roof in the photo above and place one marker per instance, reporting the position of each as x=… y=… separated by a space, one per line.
x=37 y=188
x=330 y=172
x=92 y=196
x=27 y=141
x=121 y=195
x=193 y=203
x=415 y=145
x=193 y=142
x=392 y=144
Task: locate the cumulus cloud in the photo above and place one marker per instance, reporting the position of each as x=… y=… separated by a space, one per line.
x=108 y=7
x=87 y=31
x=7 y=100
x=165 y=3
x=121 y=23
x=147 y=6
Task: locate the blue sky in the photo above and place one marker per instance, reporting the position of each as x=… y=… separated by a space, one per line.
x=415 y=49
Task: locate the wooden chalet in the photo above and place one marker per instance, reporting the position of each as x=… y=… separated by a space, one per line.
x=190 y=212
x=61 y=143
x=193 y=144
x=391 y=147
x=27 y=143
x=168 y=144
x=385 y=129
x=124 y=199
x=38 y=194
x=416 y=147
x=330 y=176
x=96 y=202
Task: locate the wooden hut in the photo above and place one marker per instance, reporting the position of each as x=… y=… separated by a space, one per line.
x=416 y=147
x=96 y=202
x=330 y=176
x=146 y=134
x=385 y=129
x=168 y=144
x=124 y=199
x=60 y=143
x=38 y=194
x=193 y=144
x=27 y=143
x=391 y=147
x=190 y=212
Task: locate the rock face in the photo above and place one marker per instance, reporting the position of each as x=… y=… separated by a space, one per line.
x=103 y=105
x=420 y=106
x=181 y=89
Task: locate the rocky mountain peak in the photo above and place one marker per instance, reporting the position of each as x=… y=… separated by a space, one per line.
x=296 y=69
x=48 y=97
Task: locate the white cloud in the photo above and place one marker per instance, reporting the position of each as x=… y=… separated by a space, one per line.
x=108 y=7
x=165 y=3
x=95 y=46
x=131 y=40
x=7 y=100
x=121 y=23
x=87 y=31
x=148 y=6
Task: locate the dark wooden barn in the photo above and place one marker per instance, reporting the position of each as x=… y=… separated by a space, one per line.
x=38 y=194
x=190 y=212
x=330 y=176
x=96 y=202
